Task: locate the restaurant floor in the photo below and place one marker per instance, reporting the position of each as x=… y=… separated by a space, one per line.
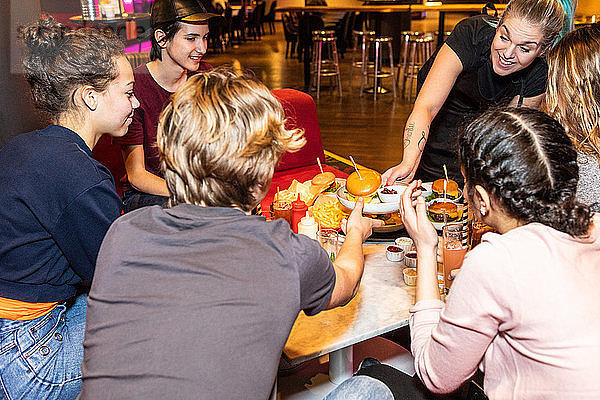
x=370 y=131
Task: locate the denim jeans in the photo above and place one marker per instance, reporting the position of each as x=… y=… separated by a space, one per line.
x=361 y=387
x=41 y=358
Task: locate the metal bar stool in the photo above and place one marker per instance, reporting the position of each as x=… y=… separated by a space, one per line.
x=404 y=51
x=362 y=37
x=378 y=69
x=329 y=66
x=420 y=48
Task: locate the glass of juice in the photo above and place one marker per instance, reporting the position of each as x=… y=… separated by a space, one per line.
x=329 y=241
x=454 y=249
x=282 y=209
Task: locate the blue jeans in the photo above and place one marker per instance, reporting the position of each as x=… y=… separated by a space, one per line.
x=41 y=358
x=361 y=387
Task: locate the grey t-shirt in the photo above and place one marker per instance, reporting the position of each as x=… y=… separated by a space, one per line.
x=588 y=187
x=197 y=303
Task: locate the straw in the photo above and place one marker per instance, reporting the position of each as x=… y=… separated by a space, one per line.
x=277 y=192
x=320 y=166
x=356 y=168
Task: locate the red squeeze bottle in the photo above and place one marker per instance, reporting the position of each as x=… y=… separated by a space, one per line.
x=299 y=209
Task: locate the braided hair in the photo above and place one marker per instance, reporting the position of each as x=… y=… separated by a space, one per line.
x=527 y=163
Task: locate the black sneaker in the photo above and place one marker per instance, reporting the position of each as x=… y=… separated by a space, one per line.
x=368 y=362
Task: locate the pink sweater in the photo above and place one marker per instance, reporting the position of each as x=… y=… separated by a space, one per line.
x=525 y=308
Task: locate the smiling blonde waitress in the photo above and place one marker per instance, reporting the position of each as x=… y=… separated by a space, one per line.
x=484 y=62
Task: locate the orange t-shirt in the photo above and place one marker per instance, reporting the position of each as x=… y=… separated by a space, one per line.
x=17 y=310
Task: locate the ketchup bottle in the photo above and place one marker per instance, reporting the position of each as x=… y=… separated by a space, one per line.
x=299 y=209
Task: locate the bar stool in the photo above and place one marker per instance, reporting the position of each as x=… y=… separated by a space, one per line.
x=420 y=48
x=361 y=36
x=330 y=66
x=378 y=71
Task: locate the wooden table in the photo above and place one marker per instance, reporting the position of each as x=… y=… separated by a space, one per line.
x=357 y=6
x=380 y=306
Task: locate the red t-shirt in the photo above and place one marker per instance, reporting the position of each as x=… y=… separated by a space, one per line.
x=153 y=98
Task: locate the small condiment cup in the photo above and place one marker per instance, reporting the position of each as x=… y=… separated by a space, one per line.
x=410 y=259
x=410 y=276
x=405 y=242
x=394 y=253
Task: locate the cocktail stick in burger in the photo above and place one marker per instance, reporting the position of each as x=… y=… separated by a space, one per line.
x=364 y=185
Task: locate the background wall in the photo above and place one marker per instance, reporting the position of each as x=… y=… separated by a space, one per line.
x=588 y=7
x=17 y=114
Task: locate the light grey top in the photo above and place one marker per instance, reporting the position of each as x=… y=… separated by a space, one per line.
x=588 y=188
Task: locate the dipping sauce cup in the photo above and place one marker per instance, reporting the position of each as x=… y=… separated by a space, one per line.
x=454 y=249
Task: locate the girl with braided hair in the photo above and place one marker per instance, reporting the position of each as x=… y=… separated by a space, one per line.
x=524 y=307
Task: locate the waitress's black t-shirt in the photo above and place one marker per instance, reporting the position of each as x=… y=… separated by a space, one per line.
x=477 y=88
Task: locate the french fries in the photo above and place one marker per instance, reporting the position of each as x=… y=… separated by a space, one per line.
x=328 y=213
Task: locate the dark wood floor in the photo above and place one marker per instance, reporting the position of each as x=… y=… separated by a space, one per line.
x=351 y=125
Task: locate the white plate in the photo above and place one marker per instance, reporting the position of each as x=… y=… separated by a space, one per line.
x=370 y=208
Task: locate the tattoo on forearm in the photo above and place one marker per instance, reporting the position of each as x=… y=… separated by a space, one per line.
x=408 y=131
x=422 y=141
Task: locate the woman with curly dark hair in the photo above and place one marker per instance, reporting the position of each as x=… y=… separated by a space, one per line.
x=524 y=307
x=57 y=204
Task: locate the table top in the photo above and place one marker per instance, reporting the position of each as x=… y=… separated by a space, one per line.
x=381 y=305
x=348 y=6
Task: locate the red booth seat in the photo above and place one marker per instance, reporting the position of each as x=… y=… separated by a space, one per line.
x=300 y=112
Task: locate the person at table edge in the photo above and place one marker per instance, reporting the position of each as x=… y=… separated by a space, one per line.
x=524 y=306
x=483 y=63
x=179 y=42
x=198 y=298
x=56 y=205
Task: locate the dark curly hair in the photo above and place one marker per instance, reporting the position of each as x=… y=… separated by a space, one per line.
x=59 y=61
x=527 y=163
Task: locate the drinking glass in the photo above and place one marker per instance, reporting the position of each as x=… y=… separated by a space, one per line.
x=282 y=209
x=329 y=241
x=454 y=249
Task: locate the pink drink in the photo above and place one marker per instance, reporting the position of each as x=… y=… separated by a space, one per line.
x=454 y=255
x=454 y=249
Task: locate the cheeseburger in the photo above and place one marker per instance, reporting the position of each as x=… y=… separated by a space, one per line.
x=451 y=188
x=364 y=186
x=437 y=209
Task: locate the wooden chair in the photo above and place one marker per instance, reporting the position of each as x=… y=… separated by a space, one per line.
x=291 y=35
x=270 y=17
